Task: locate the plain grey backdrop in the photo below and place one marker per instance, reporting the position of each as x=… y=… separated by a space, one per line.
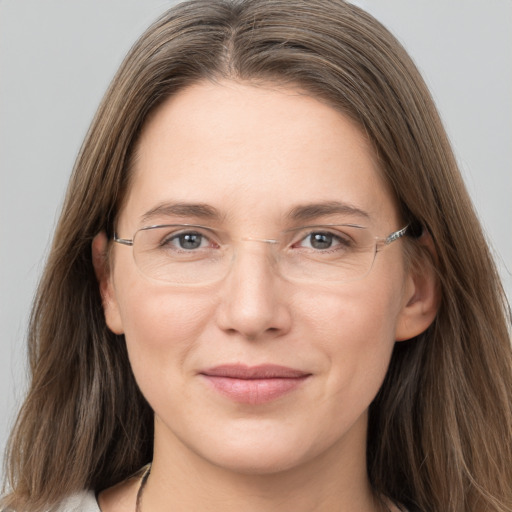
x=58 y=56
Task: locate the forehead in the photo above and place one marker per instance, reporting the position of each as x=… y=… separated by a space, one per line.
x=253 y=152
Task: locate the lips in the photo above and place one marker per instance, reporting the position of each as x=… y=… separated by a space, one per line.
x=254 y=384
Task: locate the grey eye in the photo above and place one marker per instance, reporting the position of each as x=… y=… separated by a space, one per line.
x=188 y=241
x=324 y=241
x=321 y=240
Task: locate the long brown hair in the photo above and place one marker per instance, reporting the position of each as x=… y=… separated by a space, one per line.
x=440 y=433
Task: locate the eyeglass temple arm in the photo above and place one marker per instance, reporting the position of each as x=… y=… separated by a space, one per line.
x=396 y=235
x=124 y=241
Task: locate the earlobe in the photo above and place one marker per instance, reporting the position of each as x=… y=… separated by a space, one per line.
x=422 y=294
x=104 y=277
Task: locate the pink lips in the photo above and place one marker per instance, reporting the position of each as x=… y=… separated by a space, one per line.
x=254 y=384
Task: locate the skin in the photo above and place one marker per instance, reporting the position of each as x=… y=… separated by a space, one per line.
x=254 y=153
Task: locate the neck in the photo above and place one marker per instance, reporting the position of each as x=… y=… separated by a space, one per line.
x=335 y=480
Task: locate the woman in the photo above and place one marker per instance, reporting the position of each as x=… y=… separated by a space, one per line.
x=268 y=288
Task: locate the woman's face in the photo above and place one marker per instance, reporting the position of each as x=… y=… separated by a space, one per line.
x=257 y=372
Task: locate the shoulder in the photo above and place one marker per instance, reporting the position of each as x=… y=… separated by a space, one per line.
x=84 y=501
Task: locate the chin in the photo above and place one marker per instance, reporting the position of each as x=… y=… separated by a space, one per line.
x=254 y=461
x=266 y=448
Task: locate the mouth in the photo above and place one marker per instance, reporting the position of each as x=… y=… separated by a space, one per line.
x=254 y=384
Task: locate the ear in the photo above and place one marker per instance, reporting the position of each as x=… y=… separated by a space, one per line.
x=104 y=276
x=422 y=293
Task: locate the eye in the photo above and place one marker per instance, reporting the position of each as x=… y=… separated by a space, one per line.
x=323 y=241
x=320 y=240
x=186 y=241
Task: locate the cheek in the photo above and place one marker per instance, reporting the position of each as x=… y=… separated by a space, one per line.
x=161 y=327
x=354 y=329
x=355 y=316
x=152 y=319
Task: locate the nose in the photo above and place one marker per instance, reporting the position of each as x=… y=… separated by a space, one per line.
x=253 y=299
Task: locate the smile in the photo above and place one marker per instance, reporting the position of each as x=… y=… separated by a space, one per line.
x=254 y=384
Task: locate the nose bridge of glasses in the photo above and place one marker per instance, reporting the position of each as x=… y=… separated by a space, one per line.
x=274 y=245
x=254 y=254
x=263 y=240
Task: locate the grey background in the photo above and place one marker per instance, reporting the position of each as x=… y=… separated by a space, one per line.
x=57 y=57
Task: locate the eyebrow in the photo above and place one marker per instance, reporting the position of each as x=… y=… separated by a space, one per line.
x=198 y=210
x=205 y=211
x=310 y=211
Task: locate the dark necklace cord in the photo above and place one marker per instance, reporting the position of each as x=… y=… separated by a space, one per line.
x=143 y=481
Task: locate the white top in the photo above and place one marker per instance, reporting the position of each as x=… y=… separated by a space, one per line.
x=84 y=501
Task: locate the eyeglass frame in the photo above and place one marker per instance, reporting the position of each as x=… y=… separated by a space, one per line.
x=384 y=241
